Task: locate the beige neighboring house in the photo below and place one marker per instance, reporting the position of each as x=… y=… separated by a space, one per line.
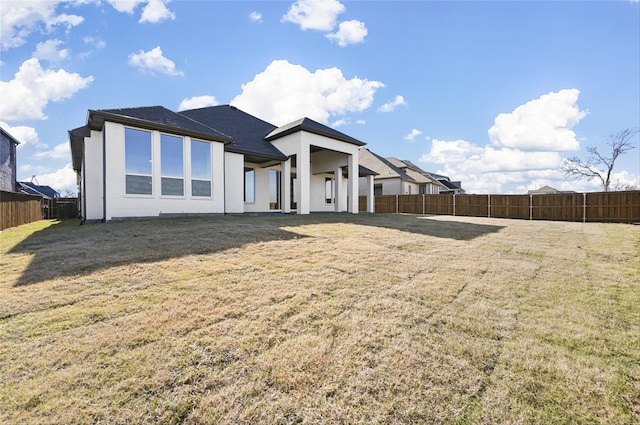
x=395 y=177
x=547 y=190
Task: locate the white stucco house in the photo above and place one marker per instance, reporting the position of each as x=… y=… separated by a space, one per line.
x=150 y=161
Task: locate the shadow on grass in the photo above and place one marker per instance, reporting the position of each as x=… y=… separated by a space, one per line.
x=66 y=249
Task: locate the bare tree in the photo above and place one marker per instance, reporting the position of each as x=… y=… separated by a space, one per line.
x=598 y=166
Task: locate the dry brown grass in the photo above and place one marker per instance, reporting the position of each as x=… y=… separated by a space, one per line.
x=320 y=319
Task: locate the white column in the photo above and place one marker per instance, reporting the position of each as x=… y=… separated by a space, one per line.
x=285 y=186
x=352 y=188
x=337 y=185
x=371 y=204
x=303 y=180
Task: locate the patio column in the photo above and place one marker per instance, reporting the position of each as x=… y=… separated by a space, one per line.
x=303 y=180
x=337 y=185
x=352 y=184
x=285 y=186
x=371 y=204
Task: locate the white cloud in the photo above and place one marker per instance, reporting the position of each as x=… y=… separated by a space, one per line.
x=486 y=169
x=21 y=18
x=48 y=50
x=125 y=6
x=62 y=180
x=156 y=11
x=392 y=105
x=340 y=122
x=349 y=32
x=314 y=14
x=524 y=150
x=61 y=151
x=99 y=44
x=23 y=134
x=540 y=124
x=361 y=122
x=255 y=16
x=153 y=61
x=197 y=102
x=284 y=92
x=411 y=137
x=32 y=88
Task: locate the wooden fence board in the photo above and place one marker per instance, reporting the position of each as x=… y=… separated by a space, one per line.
x=623 y=207
x=471 y=205
x=510 y=206
x=17 y=209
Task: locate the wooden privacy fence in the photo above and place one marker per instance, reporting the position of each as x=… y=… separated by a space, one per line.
x=621 y=207
x=19 y=208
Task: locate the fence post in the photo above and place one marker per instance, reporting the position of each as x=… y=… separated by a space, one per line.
x=489 y=206
x=530 y=206
x=423 y=204
x=397 y=208
x=584 y=207
x=454 y=204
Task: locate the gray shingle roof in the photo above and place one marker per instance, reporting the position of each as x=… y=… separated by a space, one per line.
x=157 y=117
x=247 y=131
x=311 y=126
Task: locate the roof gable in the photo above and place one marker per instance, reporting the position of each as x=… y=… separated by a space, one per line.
x=382 y=166
x=311 y=126
x=248 y=132
x=8 y=136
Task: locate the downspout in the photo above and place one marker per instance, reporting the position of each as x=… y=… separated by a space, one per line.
x=83 y=188
x=224 y=181
x=104 y=174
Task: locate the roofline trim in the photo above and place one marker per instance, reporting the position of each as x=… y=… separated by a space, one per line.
x=97 y=119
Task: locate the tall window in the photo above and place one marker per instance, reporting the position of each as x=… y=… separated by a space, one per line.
x=137 y=148
x=328 y=190
x=249 y=186
x=200 y=168
x=172 y=165
x=274 y=189
x=377 y=189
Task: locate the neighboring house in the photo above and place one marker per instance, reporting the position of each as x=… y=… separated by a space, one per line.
x=395 y=177
x=47 y=192
x=8 y=145
x=427 y=185
x=150 y=161
x=448 y=186
x=547 y=190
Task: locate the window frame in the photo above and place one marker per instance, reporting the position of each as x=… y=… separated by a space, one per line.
x=129 y=162
x=209 y=168
x=253 y=185
x=164 y=175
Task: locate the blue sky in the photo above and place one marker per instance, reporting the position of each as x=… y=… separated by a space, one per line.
x=494 y=94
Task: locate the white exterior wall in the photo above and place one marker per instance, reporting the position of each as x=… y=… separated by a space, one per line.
x=92 y=171
x=311 y=187
x=119 y=204
x=234 y=182
x=261 y=187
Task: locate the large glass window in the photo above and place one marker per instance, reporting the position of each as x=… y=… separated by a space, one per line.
x=200 y=168
x=274 y=189
x=137 y=148
x=328 y=190
x=249 y=186
x=172 y=165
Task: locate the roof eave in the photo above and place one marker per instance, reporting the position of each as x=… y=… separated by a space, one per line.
x=276 y=135
x=97 y=119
